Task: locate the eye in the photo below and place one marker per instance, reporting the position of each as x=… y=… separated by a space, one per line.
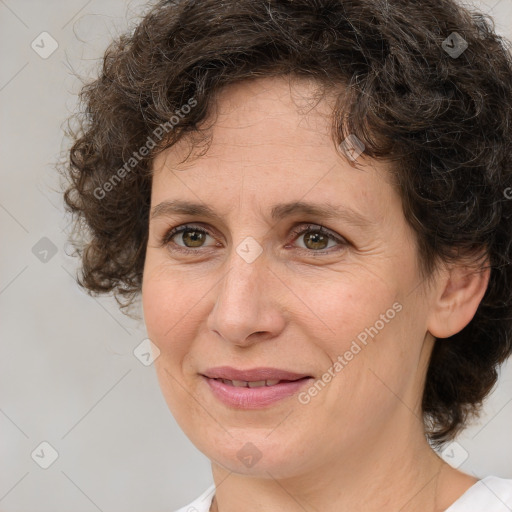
x=316 y=238
x=186 y=238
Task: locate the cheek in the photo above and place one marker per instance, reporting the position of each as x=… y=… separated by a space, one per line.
x=169 y=320
x=360 y=326
x=166 y=302
x=155 y=304
x=348 y=308
x=175 y=310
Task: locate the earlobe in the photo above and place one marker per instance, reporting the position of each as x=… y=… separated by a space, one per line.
x=460 y=293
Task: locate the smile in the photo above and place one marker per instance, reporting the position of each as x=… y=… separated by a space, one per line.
x=241 y=394
x=249 y=384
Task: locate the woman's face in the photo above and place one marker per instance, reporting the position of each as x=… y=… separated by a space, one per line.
x=264 y=289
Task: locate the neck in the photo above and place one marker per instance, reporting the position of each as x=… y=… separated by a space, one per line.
x=402 y=474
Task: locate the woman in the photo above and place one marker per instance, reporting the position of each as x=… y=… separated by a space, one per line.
x=310 y=196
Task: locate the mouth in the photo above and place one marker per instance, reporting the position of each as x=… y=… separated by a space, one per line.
x=253 y=389
x=254 y=384
x=259 y=374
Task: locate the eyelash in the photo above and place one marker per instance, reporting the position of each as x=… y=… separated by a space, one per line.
x=297 y=232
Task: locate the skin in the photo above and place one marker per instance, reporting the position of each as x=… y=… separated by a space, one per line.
x=359 y=444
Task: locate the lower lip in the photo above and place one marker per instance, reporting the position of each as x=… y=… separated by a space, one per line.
x=254 y=398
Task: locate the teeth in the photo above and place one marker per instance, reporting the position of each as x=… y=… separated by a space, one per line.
x=245 y=384
x=256 y=384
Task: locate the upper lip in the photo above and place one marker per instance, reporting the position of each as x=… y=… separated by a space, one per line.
x=252 y=374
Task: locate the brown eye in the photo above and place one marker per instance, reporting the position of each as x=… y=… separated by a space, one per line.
x=186 y=237
x=193 y=237
x=315 y=241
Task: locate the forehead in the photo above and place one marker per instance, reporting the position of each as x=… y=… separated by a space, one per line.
x=271 y=138
x=266 y=113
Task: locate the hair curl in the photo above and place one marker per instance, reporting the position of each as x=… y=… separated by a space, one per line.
x=445 y=123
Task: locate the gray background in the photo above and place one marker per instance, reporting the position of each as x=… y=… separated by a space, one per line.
x=68 y=375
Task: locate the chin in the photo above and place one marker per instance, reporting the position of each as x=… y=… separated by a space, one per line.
x=253 y=452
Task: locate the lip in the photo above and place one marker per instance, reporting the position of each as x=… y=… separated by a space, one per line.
x=253 y=398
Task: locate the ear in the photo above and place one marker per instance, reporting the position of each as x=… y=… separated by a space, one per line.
x=460 y=289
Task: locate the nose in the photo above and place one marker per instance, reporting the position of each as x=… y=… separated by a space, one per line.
x=245 y=310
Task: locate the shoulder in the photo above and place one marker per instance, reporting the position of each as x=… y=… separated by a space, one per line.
x=491 y=494
x=201 y=503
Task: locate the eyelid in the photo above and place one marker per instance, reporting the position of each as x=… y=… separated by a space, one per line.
x=302 y=228
x=306 y=226
x=166 y=238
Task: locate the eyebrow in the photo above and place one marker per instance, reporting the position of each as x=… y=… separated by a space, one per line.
x=278 y=211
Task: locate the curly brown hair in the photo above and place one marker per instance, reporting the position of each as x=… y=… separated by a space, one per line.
x=443 y=118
